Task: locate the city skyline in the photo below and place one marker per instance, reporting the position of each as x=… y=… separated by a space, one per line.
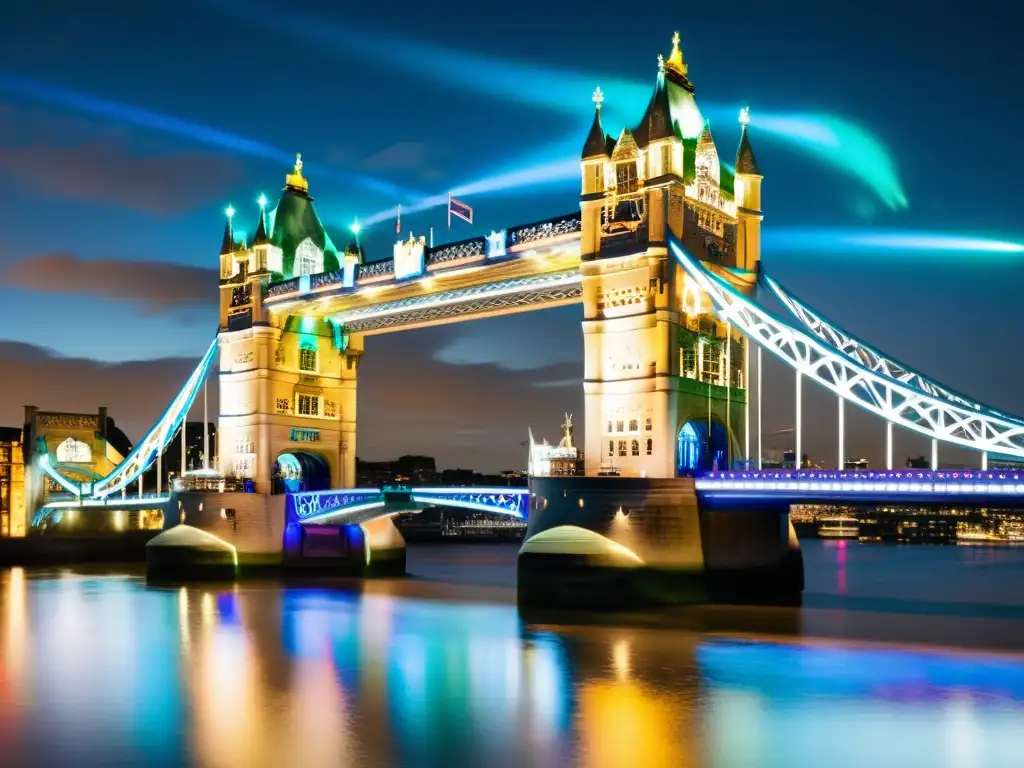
x=132 y=266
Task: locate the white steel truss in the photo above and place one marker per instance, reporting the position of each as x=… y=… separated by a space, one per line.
x=157 y=439
x=870 y=357
x=895 y=401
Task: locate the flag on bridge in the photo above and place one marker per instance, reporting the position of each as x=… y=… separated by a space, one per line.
x=459 y=209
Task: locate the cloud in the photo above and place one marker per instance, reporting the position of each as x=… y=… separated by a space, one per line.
x=410 y=156
x=159 y=286
x=74 y=159
x=135 y=392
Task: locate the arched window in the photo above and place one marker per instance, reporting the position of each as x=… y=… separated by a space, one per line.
x=609 y=425
x=309 y=260
x=648 y=424
x=74 y=452
x=634 y=425
x=611 y=447
x=650 y=446
x=307 y=357
x=636 y=447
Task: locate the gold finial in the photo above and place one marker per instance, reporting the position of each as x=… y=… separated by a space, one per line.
x=675 y=61
x=598 y=97
x=295 y=179
x=745 y=117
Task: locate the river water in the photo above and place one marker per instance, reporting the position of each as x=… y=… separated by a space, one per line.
x=901 y=656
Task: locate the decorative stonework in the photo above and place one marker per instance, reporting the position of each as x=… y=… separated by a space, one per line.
x=66 y=421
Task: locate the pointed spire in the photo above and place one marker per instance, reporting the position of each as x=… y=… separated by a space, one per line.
x=676 y=65
x=595 y=145
x=228 y=242
x=706 y=139
x=295 y=180
x=745 y=160
x=261 y=238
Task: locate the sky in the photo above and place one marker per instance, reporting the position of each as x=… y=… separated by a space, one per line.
x=124 y=136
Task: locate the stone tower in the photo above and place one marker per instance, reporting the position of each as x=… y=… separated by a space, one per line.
x=664 y=380
x=287 y=382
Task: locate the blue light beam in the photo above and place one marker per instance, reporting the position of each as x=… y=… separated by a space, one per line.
x=841 y=241
x=173 y=126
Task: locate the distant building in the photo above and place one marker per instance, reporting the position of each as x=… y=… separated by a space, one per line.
x=550 y=460
x=12 y=483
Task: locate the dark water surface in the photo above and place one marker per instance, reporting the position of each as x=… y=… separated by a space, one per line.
x=900 y=657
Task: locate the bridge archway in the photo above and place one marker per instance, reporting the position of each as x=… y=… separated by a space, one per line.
x=699 y=449
x=296 y=471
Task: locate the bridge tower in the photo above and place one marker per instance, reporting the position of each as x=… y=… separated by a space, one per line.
x=664 y=380
x=287 y=381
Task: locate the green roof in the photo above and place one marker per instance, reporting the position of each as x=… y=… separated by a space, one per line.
x=293 y=221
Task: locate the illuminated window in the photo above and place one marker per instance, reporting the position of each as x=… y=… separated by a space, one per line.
x=596 y=178
x=634 y=425
x=635 y=447
x=330 y=409
x=309 y=405
x=666 y=159
x=712 y=363
x=650 y=446
x=74 y=451
x=284 y=405
x=309 y=260
x=619 y=426
x=688 y=362
x=245 y=445
x=307 y=359
x=611 y=447
x=625 y=178
x=622 y=447
x=648 y=424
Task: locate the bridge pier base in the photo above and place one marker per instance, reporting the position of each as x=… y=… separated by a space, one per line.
x=616 y=543
x=372 y=548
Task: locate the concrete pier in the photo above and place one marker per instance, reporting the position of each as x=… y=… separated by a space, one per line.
x=610 y=542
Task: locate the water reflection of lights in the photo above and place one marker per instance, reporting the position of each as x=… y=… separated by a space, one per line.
x=620 y=659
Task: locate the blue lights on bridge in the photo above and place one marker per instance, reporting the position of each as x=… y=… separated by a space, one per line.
x=505 y=501
x=352 y=505
x=894 y=485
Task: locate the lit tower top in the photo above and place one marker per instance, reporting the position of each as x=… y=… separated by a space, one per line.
x=295 y=180
x=596 y=144
x=261 y=237
x=677 y=66
x=227 y=244
x=745 y=160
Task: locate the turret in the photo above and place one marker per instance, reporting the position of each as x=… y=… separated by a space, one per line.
x=266 y=255
x=594 y=155
x=228 y=246
x=748 y=201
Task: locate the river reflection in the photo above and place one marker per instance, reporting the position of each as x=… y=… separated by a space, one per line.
x=102 y=670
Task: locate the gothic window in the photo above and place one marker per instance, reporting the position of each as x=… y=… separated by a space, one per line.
x=622 y=447
x=284 y=405
x=596 y=178
x=74 y=451
x=636 y=447
x=650 y=446
x=688 y=362
x=309 y=260
x=648 y=424
x=625 y=178
x=712 y=363
x=619 y=426
x=666 y=159
x=244 y=445
x=634 y=425
x=611 y=448
x=308 y=405
x=307 y=358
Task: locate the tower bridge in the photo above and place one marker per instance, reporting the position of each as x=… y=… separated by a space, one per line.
x=664 y=256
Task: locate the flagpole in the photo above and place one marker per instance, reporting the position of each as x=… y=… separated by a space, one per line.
x=431 y=237
x=449 y=210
